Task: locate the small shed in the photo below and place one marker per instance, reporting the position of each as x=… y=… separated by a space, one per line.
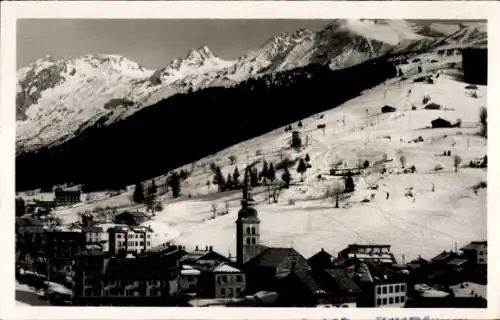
x=131 y=218
x=432 y=106
x=296 y=140
x=440 y=123
x=386 y=109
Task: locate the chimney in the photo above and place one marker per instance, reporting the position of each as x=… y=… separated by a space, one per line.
x=196 y=248
x=211 y=248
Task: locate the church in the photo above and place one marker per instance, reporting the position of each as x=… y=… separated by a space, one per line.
x=263 y=265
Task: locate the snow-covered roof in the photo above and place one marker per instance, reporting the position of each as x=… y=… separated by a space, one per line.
x=225 y=268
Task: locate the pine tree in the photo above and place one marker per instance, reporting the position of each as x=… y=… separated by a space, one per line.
x=229 y=182
x=286 y=177
x=299 y=124
x=271 y=174
x=219 y=179
x=175 y=184
x=301 y=168
x=138 y=195
x=307 y=158
x=236 y=176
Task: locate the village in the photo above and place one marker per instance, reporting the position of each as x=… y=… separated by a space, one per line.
x=116 y=265
x=119 y=247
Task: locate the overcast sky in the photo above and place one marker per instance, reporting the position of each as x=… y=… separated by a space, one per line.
x=151 y=43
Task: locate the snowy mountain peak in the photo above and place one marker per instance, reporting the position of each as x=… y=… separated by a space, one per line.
x=200 y=54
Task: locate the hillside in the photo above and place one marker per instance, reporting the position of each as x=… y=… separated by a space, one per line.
x=441 y=211
x=187 y=127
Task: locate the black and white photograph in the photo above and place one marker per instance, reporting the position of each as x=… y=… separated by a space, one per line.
x=279 y=163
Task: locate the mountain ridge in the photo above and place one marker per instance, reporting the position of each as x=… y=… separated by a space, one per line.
x=57 y=99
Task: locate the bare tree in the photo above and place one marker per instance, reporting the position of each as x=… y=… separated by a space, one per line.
x=456 y=162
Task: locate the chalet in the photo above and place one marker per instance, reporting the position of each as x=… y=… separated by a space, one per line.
x=317 y=288
x=67 y=197
x=296 y=140
x=476 y=252
x=264 y=270
x=433 y=106
x=222 y=281
x=475 y=65
x=321 y=260
x=387 y=109
x=131 y=218
x=376 y=252
x=382 y=285
x=440 y=123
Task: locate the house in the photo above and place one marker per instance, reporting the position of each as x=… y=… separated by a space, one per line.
x=67 y=197
x=321 y=260
x=147 y=280
x=382 y=286
x=371 y=252
x=28 y=225
x=317 y=288
x=476 y=252
x=440 y=123
x=265 y=269
x=432 y=106
x=131 y=218
x=129 y=239
x=386 y=109
x=296 y=141
x=475 y=65
x=222 y=281
x=96 y=236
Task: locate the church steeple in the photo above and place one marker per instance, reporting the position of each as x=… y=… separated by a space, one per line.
x=247 y=199
x=247 y=225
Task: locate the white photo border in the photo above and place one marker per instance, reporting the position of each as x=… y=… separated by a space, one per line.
x=12 y=11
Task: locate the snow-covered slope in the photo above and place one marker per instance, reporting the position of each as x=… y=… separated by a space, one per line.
x=58 y=99
x=442 y=212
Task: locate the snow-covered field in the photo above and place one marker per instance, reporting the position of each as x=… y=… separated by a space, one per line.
x=444 y=211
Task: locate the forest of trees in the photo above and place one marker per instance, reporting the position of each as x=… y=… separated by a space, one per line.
x=187 y=127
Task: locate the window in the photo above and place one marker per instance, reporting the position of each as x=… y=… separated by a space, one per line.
x=391 y=289
x=239 y=278
x=223 y=279
x=384 y=290
x=253 y=230
x=391 y=300
x=248 y=230
x=397 y=299
x=223 y=291
x=253 y=240
x=141 y=243
x=238 y=290
x=384 y=301
x=379 y=301
x=397 y=288
x=402 y=287
x=403 y=299
x=149 y=243
x=379 y=290
x=248 y=240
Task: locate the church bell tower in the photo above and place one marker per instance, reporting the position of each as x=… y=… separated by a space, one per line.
x=247 y=225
